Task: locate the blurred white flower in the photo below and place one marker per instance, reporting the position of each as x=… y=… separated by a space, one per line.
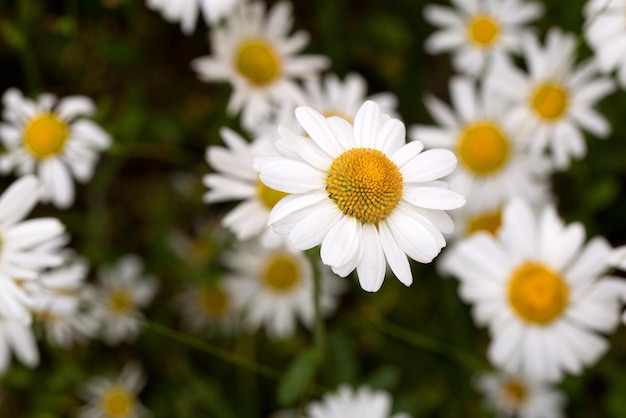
x=186 y=11
x=207 y=307
x=353 y=403
x=16 y=336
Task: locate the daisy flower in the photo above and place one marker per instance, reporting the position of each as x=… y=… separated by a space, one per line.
x=27 y=246
x=541 y=291
x=122 y=291
x=494 y=165
x=52 y=138
x=207 y=306
x=518 y=396
x=236 y=179
x=17 y=336
x=274 y=287
x=362 y=193
x=255 y=53
x=115 y=398
x=605 y=31
x=348 y=403
x=554 y=100
x=186 y=11
x=479 y=31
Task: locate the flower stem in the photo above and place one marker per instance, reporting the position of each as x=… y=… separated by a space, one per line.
x=319 y=332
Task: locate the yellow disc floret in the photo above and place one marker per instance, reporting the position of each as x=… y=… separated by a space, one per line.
x=537 y=294
x=488 y=222
x=121 y=301
x=268 y=196
x=45 y=135
x=117 y=402
x=213 y=301
x=483 y=30
x=281 y=273
x=549 y=101
x=258 y=62
x=483 y=148
x=515 y=391
x=365 y=183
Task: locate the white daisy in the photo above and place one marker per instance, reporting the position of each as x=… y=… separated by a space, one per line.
x=115 y=398
x=605 y=31
x=517 y=396
x=554 y=100
x=207 y=306
x=348 y=403
x=53 y=139
x=494 y=165
x=541 y=292
x=17 y=336
x=479 y=31
x=122 y=291
x=362 y=193
x=236 y=179
x=25 y=248
x=255 y=53
x=186 y=11
x=274 y=287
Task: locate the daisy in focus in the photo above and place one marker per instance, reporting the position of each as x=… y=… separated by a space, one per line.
x=53 y=139
x=353 y=403
x=478 y=32
x=186 y=11
x=605 y=32
x=236 y=179
x=554 y=101
x=362 y=193
x=273 y=288
x=255 y=53
x=122 y=291
x=541 y=291
x=115 y=398
x=516 y=396
x=493 y=165
x=207 y=307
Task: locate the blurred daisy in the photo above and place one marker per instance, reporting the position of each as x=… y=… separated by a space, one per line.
x=236 y=179
x=362 y=193
x=254 y=52
x=605 y=31
x=207 y=306
x=122 y=291
x=479 y=31
x=494 y=166
x=57 y=304
x=186 y=11
x=17 y=336
x=348 y=403
x=554 y=100
x=517 y=396
x=52 y=138
x=115 y=398
x=540 y=291
x=274 y=287
x=27 y=246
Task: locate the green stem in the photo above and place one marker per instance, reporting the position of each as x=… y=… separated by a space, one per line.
x=319 y=332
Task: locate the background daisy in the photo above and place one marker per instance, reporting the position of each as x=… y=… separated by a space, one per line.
x=186 y=11
x=346 y=402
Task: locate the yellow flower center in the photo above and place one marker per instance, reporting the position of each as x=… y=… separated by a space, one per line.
x=268 y=196
x=483 y=30
x=213 y=301
x=483 y=148
x=117 y=402
x=121 y=301
x=549 y=101
x=365 y=184
x=537 y=294
x=45 y=135
x=257 y=61
x=515 y=391
x=489 y=222
x=281 y=273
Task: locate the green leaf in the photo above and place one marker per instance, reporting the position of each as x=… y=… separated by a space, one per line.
x=299 y=376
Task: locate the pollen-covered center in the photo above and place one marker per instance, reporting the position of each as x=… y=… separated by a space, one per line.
x=258 y=62
x=483 y=148
x=213 y=301
x=45 y=136
x=487 y=221
x=549 y=101
x=117 y=402
x=281 y=273
x=268 y=196
x=515 y=391
x=121 y=301
x=365 y=184
x=483 y=30
x=537 y=294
